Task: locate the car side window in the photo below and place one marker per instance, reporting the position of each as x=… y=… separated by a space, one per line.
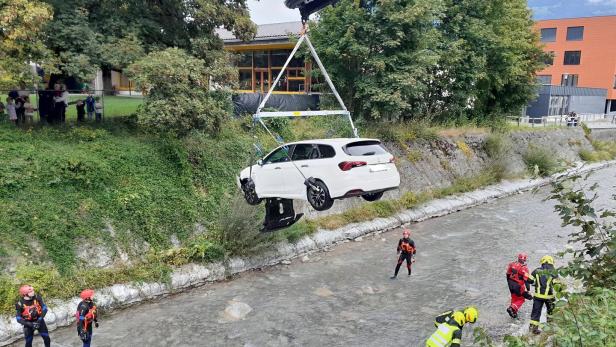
x=305 y=151
x=327 y=151
x=281 y=155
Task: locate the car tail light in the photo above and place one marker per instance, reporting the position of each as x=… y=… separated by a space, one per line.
x=348 y=165
x=392 y=160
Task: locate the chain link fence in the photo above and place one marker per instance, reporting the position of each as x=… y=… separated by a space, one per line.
x=50 y=106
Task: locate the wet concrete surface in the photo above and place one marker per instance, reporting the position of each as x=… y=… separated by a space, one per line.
x=345 y=296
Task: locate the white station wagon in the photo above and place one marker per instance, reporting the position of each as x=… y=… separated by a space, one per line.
x=320 y=171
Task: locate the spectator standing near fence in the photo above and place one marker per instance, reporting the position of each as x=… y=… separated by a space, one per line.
x=99 y=111
x=2 y=108
x=90 y=106
x=10 y=110
x=81 y=110
x=28 y=111
x=61 y=102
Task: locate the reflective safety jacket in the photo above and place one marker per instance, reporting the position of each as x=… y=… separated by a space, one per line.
x=406 y=245
x=30 y=310
x=446 y=335
x=86 y=314
x=545 y=278
x=518 y=278
x=444 y=317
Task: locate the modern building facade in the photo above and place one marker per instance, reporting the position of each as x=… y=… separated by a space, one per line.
x=260 y=61
x=583 y=56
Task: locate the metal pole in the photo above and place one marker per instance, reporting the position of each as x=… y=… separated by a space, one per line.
x=269 y=93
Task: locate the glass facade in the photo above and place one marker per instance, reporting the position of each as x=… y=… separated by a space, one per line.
x=257 y=69
x=575 y=33
x=548 y=35
x=572 y=57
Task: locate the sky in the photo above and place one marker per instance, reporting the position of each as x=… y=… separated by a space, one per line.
x=274 y=11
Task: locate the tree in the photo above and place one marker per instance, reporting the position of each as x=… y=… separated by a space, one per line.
x=21 y=23
x=491 y=54
x=380 y=56
x=87 y=35
x=178 y=97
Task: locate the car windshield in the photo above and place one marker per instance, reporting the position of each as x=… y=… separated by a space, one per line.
x=364 y=148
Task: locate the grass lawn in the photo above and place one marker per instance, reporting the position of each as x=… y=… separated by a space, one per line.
x=113 y=106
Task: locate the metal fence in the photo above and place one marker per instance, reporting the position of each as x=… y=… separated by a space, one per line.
x=561 y=120
x=42 y=106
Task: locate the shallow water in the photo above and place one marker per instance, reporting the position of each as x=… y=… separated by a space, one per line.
x=345 y=296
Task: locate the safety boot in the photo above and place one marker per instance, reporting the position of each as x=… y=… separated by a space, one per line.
x=511 y=312
x=534 y=329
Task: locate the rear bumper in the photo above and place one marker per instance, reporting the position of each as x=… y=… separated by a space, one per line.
x=360 y=192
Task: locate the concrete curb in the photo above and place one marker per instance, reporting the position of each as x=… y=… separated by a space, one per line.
x=193 y=275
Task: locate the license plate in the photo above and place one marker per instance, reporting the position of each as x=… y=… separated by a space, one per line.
x=377 y=168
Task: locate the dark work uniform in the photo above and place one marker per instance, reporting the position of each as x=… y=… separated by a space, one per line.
x=31 y=313
x=406 y=248
x=86 y=313
x=544 y=279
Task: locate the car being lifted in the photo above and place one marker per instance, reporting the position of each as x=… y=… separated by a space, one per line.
x=320 y=171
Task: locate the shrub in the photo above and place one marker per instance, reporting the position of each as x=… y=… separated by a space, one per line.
x=539 y=161
x=496 y=146
x=468 y=152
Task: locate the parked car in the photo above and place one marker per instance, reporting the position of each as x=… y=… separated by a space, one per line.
x=321 y=171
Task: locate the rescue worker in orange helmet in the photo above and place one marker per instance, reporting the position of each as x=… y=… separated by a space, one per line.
x=518 y=280
x=86 y=315
x=406 y=250
x=30 y=312
x=450 y=324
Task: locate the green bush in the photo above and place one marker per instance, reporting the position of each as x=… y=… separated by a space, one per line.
x=539 y=161
x=496 y=146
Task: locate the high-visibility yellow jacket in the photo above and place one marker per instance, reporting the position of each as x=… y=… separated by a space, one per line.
x=448 y=333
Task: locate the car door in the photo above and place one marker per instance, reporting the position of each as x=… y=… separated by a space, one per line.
x=300 y=170
x=270 y=181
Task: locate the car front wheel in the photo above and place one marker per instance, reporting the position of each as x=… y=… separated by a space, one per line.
x=250 y=193
x=318 y=196
x=372 y=196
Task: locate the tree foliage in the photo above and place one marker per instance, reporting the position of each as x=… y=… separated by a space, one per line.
x=444 y=59
x=86 y=34
x=178 y=97
x=21 y=24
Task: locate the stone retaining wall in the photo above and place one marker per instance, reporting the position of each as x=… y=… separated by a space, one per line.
x=61 y=313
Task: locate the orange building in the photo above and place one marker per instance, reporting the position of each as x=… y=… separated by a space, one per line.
x=584 y=54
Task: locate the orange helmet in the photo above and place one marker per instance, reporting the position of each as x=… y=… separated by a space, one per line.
x=522 y=257
x=406 y=233
x=25 y=290
x=87 y=294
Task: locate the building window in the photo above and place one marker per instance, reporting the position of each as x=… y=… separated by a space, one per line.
x=245 y=79
x=559 y=105
x=279 y=58
x=261 y=59
x=245 y=60
x=614 y=81
x=572 y=57
x=544 y=79
x=549 y=58
x=569 y=80
x=575 y=33
x=548 y=35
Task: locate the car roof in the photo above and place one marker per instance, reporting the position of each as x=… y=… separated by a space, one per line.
x=335 y=141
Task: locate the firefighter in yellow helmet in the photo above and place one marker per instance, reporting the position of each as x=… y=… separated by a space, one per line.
x=545 y=279
x=449 y=327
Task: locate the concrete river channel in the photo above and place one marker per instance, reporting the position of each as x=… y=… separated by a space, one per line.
x=344 y=297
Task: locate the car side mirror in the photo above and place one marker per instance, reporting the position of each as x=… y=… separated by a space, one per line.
x=260 y=162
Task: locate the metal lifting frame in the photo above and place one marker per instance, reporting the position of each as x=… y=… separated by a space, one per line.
x=259 y=115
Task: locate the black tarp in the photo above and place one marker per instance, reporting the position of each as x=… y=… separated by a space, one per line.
x=247 y=103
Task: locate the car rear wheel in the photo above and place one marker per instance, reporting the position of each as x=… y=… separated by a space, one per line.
x=250 y=193
x=318 y=196
x=372 y=196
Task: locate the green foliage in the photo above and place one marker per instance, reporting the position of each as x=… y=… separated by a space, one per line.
x=497 y=146
x=603 y=150
x=481 y=337
x=445 y=60
x=178 y=99
x=593 y=251
x=379 y=59
x=540 y=161
x=86 y=35
x=21 y=39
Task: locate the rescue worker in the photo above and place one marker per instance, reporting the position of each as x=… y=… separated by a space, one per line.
x=545 y=280
x=30 y=312
x=518 y=280
x=449 y=324
x=406 y=250
x=86 y=315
